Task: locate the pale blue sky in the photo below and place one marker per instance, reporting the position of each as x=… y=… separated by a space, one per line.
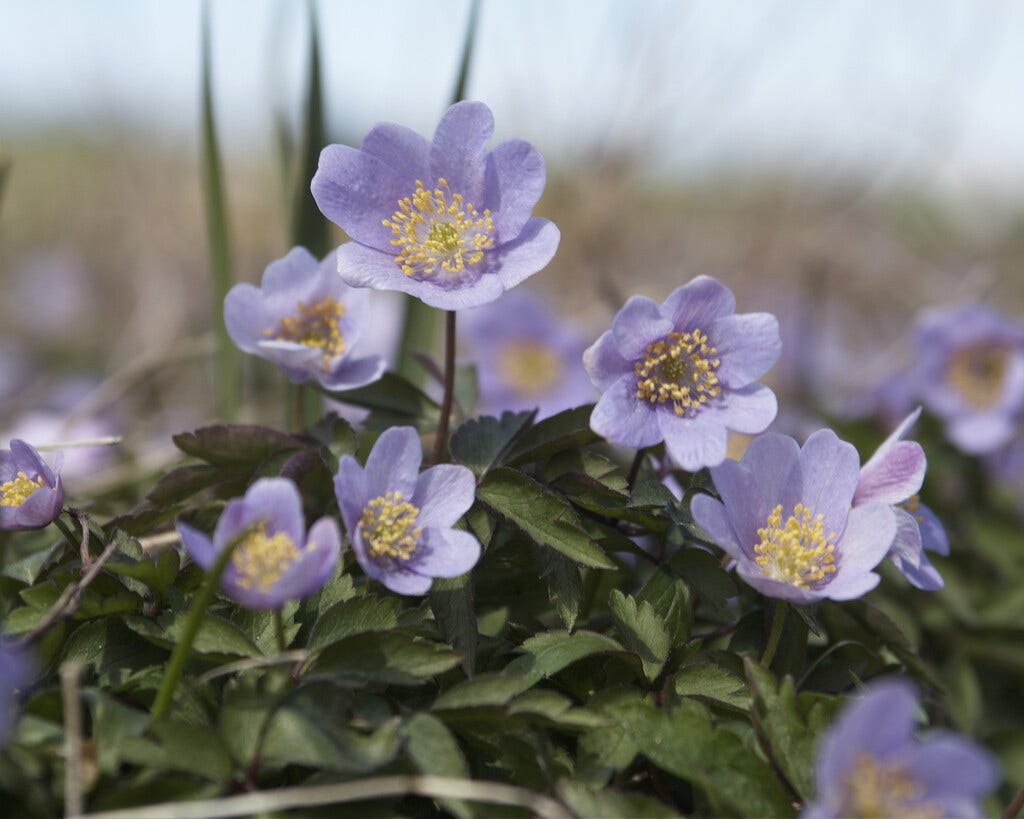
x=922 y=89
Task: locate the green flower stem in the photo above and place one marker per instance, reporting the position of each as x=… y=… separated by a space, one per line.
x=66 y=531
x=449 y=388
x=282 y=642
x=634 y=469
x=179 y=657
x=773 y=639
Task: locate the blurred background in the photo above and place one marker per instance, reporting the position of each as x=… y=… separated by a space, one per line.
x=843 y=165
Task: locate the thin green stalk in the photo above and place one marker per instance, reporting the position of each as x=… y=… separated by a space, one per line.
x=449 y=388
x=778 y=621
x=282 y=642
x=64 y=530
x=634 y=469
x=179 y=657
x=228 y=379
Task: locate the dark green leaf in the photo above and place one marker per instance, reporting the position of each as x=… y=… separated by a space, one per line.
x=539 y=514
x=484 y=689
x=355 y=616
x=705 y=576
x=564 y=580
x=387 y=657
x=236 y=444
x=670 y=598
x=551 y=651
x=434 y=751
x=642 y=631
x=568 y=429
x=481 y=443
x=216 y=637
x=608 y=803
x=451 y=601
x=712 y=683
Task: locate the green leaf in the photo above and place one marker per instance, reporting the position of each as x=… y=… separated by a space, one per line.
x=112 y=651
x=184 y=482
x=556 y=708
x=397 y=401
x=355 y=616
x=484 y=689
x=564 y=580
x=607 y=803
x=157 y=572
x=686 y=744
x=451 y=601
x=712 y=683
x=435 y=752
x=642 y=631
x=670 y=598
x=549 y=652
x=385 y=657
x=788 y=729
x=218 y=638
x=481 y=443
x=236 y=444
x=703 y=573
x=566 y=430
x=541 y=515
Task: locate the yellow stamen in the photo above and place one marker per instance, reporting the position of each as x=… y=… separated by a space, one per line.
x=262 y=560
x=913 y=505
x=978 y=373
x=315 y=325
x=799 y=552
x=439 y=228
x=876 y=790
x=529 y=368
x=388 y=525
x=681 y=368
x=18 y=490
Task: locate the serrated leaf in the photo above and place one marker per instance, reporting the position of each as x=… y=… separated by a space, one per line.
x=217 y=637
x=480 y=443
x=541 y=515
x=451 y=601
x=112 y=651
x=568 y=429
x=712 y=683
x=786 y=731
x=642 y=631
x=564 y=580
x=686 y=744
x=236 y=444
x=387 y=657
x=671 y=600
x=551 y=651
x=357 y=615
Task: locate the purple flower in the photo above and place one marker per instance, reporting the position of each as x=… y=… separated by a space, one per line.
x=306 y=320
x=871 y=764
x=786 y=518
x=31 y=495
x=684 y=373
x=894 y=475
x=275 y=561
x=444 y=221
x=399 y=521
x=971 y=374
x=525 y=356
x=16 y=670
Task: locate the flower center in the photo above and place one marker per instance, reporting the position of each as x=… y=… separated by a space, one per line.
x=797 y=552
x=680 y=368
x=913 y=506
x=388 y=525
x=315 y=325
x=875 y=790
x=19 y=489
x=978 y=373
x=438 y=228
x=261 y=560
x=529 y=368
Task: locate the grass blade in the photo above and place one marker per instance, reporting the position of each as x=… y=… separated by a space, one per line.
x=228 y=372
